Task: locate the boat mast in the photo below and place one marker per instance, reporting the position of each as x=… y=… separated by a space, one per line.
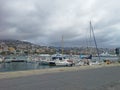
x=92 y=31
x=62 y=45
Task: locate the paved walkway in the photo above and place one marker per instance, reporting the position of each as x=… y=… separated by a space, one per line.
x=105 y=78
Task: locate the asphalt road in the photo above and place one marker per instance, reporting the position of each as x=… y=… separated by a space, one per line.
x=107 y=78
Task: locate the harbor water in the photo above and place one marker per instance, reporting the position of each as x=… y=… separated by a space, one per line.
x=21 y=66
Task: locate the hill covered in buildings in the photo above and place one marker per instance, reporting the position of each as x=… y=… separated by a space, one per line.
x=24 y=47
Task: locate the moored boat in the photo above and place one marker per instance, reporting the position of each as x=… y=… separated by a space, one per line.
x=60 y=60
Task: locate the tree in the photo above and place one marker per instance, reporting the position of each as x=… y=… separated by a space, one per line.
x=117 y=51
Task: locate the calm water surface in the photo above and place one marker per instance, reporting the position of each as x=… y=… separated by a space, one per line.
x=20 y=66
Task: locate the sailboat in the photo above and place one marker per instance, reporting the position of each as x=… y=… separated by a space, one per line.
x=92 y=31
x=61 y=59
x=87 y=59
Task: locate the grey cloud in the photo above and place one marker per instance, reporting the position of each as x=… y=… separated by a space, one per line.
x=44 y=22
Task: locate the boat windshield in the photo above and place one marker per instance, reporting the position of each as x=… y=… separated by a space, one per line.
x=59 y=58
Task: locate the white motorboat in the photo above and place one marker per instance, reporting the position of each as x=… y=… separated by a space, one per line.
x=61 y=60
x=65 y=62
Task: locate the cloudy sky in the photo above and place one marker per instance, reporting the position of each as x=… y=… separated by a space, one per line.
x=44 y=22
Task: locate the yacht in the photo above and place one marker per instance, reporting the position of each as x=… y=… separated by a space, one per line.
x=61 y=60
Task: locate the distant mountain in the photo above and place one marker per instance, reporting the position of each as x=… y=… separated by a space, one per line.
x=7 y=41
x=16 y=42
